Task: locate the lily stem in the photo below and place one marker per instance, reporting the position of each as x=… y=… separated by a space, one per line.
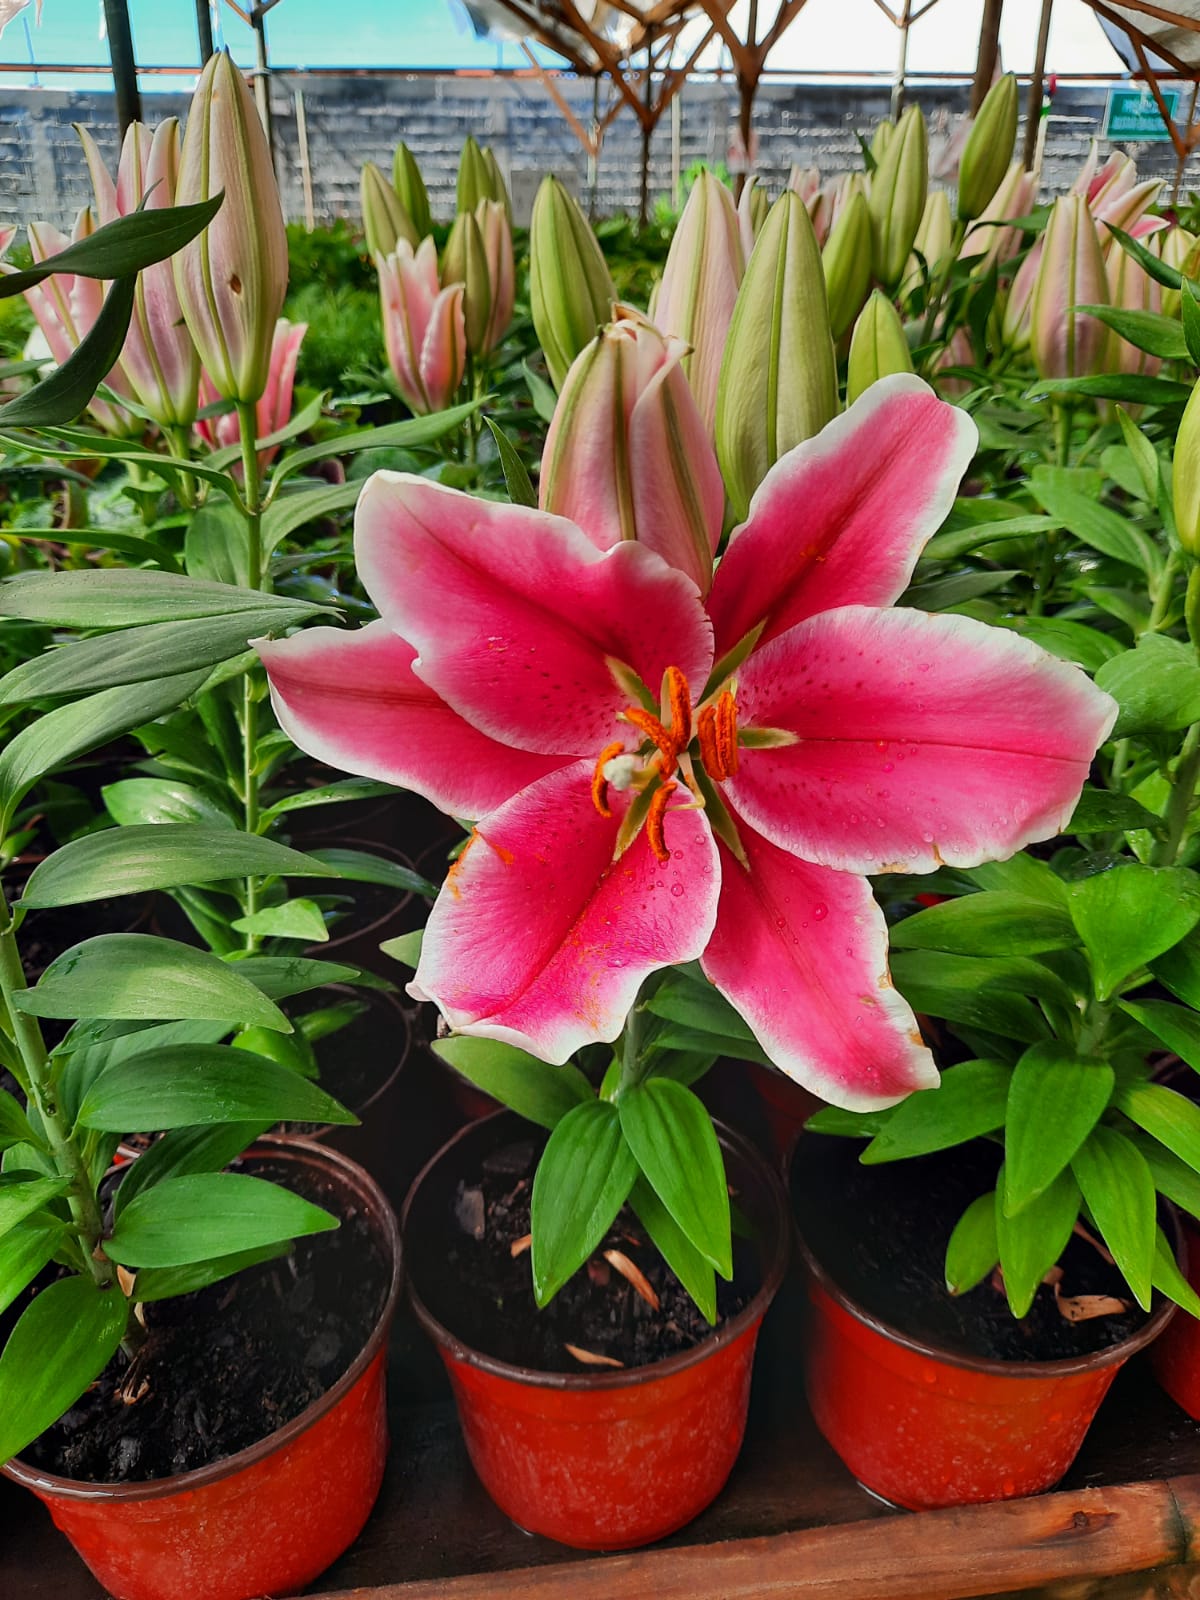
x=248 y=427
x=1179 y=803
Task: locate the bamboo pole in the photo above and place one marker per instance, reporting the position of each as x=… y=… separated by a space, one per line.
x=124 y=67
x=1033 y=113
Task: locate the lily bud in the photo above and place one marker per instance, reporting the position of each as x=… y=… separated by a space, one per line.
x=232 y=278
x=806 y=182
x=898 y=188
x=423 y=328
x=1131 y=288
x=158 y=357
x=1065 y=343
x=988 y=242
x=465 y=261
x=881 y=138
x=496 y=234
x=778 y=381
x=410 y=189
x=570 y=291
x=846 y=259
x=1177 y=248
x=627 y=455
x=988 y=149
x=933 y=240
x=878 y=347
x=1123 y=210
x=752 y=211
x=1185 y=476
x=699 y=286
x=384 y=218
x=499 y=187
x=474 y=179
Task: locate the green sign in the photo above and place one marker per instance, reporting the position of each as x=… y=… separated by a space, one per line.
x=1134 y=114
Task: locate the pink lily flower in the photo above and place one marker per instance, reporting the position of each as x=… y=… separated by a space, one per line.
x=423 y=327
x=803 y=734
x=273 y=409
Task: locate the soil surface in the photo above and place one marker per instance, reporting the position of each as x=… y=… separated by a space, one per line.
x=881 y=1234
x=225 y=1367
x=461 y=1257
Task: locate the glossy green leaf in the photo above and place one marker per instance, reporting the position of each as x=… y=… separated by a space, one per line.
x=1116 y=1184
x=1179 y=969
x=1177 y=1026
x=1031 y=1242
x=131 y=801
x=968 y=1103
x=1132 y=388
x=1131 y=914
x=62 y=395
x=977 y=991
x=1102 y=811
x=973 y=1250
x=582 y=1181
x=280 y=977
x=408 y=435
x=516 y=479
x=114 y=597
x=1093 y=523
x=215 y=548
x=294 y=919
x=534 y=1089
x=188 y=1085
x=673 y=1142
x=206 y=1215
x=1070 y=641
x=20 y=1197
x=1054 y=1102
x=1190 y=317
x=849 y=1124
x=677 y=1250
x=701 y=1008
x=14 y=1124
x=1172 y=1177
x=1165 y=1115
x=1169 y=1280
x=184 y=1151
x=291 y=511
x=1156 y=685
x=137 y=975
x=993 y=923
x=1021 y=874
x=329 y=794
x=363 y=866
x=165 y=1283
x=121 y=247
x=1147 y=330
x=405 y=948
x=24 y=1251
x=62 y=1342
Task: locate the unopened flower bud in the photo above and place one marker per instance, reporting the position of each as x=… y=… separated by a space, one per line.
x=570 y=291
x=752 y=210
x=499 y=191
x=627 y=455
x=384 y=217
x=986 y=241
x=878 y=347
x=1179 y=249
x=1065 y=342
x=933 y=240
x=232 y=278
x=410 y=189
x=988 y=149
x=1185 y=476
x=779 y=378
x=846 y=259
x=898 y=188
x=464 y=261
x=474 y=179
x=423 y=330
x=496 y=234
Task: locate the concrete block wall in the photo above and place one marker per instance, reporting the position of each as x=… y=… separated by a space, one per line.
x=352 y=119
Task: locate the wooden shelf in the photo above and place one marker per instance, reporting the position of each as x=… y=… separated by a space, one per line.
x=791 y=1521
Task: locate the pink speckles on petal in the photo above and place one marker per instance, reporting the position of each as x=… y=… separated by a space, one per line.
x=921 y=740
x=802 y=953
x=540 y=938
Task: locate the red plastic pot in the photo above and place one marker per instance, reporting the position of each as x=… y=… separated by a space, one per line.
x=925 y=1427
x=612 y=1460
x=271 y=1518
x=1176 y=1356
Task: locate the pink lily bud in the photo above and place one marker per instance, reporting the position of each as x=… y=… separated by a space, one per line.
x=1124 y=210
x=423 y=327
x=159 y=358
x=232 y=278
x=1065 y=343
x=274 y=408
x=957 y=353
x=627 y=455
x=986 y=241
x=1097 y=184
x=1178 y=248
x=806 y=182
x=699 y=285
x=1132 y=289
x=496 y=233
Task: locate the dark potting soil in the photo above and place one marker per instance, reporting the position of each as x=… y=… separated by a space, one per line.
x=223 y=1368
x=881 y=1234
x=462 y=1258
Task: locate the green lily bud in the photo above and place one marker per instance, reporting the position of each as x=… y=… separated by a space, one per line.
x=384 y=218
x=881 y=138
x=778 y=382
x=988 y=149
x=474 y=179
x=499 y=187
x=898 y=188
x=934 y=239
x=1181 y=250
x=1185 y=476
x=847 y=263
x=464 y=261
x=410 y=189
x=570 y=291
x=878 y=347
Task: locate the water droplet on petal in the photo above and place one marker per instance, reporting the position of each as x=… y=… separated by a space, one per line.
x=820 y=912
x=677 y=890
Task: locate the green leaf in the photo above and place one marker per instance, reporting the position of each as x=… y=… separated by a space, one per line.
x=1094 y=523
x=20 y=1197
x=328 y=794
x=294 y=919
x=1131 y=914
x=1102 y=811
x=160 y=856
x=190 y=1085
x=978 y=992
x=165 y=1283
x=1167 y=1278
x=1021 y=874
x=131 y=801
x=138 y=975
x=1161 y=271
x=1145 y=457
x=405 y=948
x=1172 y=1177
x=112 y=597
x=361 y=866
x=63 y=1341
x=1165 y=1115
x=14 y=1124
x=1054 y=1102
x=302 y=422
x=24 y=1251
x=677 y=1250
x=534 y=1089
x=1177 y=1026
x=1070 y=641
x=516 y=479
x=973 y=1249
x=1131 y=388
x=62 y=395
x=969 y=1102
x=701 y=1008
x=1032 y=1241
x=72 y=730
x=848 y=1124
x=207 y=1215
x=280 y=977
x=292 y=511
x=215 y=548
x=582 y=1181
x=122 y=247
x=1116 y=1184
x=1157 y=686
x=1179 y=969
x=993 y=923
x=183 y=1151
x=1190 y=316
x=394 y=435
x=1147 y=330
x=673 y=1142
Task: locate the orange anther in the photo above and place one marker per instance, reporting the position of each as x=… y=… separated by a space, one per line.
x=727 y=743
x=599 y=781
x=656 y=821
x=679 y=699
x=646 y=722
x=706 y=732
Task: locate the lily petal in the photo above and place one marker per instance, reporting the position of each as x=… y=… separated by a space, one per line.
x=842 y=518
x=353 y=701
x=921 y=740
x=539 y=938
x=514 y=611
x=802 y=953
